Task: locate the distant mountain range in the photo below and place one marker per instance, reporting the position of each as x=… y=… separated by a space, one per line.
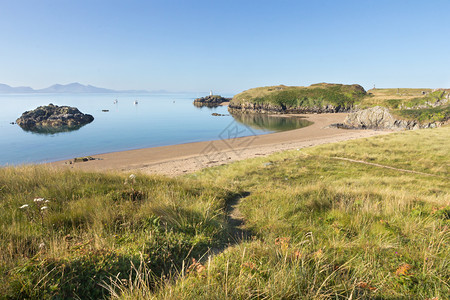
x=62 y=88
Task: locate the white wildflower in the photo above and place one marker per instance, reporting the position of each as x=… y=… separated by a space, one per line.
x=24 y=206
x=38 y=199
x=42 y=245
x=46 y=201
x=132 y=176
x=44 y=207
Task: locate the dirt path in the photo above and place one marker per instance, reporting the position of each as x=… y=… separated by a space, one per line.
x=237 y=233
x=236 y=222
x=383 y=166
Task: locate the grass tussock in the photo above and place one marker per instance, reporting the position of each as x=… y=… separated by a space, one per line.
x=326 y=228
x=321 y=227
x=63 y=232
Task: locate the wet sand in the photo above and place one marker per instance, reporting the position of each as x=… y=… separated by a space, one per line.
x=186 y=158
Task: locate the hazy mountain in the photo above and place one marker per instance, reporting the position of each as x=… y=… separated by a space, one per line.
x=6 y=89
x=74 y=88
x=63 y=88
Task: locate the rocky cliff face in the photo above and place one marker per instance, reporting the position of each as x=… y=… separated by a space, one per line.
x=380 y=118
x=53 y=117
x=266 y=108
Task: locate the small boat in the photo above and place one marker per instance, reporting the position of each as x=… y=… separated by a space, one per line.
x=135 y=102
x=115 y=101
x=105 y=110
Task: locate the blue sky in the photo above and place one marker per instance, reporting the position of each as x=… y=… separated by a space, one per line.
x=227 y=46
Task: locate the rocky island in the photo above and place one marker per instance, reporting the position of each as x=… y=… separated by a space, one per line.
x=210 y=101
x=53 y=118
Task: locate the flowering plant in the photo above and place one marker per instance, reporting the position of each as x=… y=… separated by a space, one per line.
x=37 y=209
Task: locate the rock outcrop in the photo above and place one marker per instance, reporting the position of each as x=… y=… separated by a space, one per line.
x=374 y=117
x=53 y=118
x=211 y=100
x=380 y=118
x=267 y=108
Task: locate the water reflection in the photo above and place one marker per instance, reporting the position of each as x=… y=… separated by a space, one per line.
x=271 y=123
x=201 y=105
x=47 y=130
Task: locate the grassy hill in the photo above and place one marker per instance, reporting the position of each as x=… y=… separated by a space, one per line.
x=423 y=105
x=368 y=218
x=320 y=97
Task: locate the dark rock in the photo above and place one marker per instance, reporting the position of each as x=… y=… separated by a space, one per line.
x=83 y=159
x=266 y=108
x=211 y=101
x=218 y=115
x=53 y=118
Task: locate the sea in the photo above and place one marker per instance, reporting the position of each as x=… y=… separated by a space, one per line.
x=124 y=122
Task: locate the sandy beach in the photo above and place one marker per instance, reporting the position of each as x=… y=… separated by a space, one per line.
x=185 y=158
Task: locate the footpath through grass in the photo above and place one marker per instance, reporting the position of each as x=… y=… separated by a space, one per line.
x=322 y=227
x=328 y=228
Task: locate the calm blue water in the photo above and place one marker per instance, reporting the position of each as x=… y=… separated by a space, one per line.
x=157 y=120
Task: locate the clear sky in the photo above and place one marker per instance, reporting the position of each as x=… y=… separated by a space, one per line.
x=226 y=46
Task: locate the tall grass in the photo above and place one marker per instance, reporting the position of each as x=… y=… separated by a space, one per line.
x=96 y=225
x=327 y=228
x=321 y=227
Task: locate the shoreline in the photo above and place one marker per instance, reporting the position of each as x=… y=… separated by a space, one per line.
x=186 y=158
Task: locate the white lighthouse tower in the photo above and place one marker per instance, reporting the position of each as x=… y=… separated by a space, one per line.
x=210 y=93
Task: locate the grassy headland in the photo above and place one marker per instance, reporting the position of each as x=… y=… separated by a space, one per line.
x=320 y=97
x=343 y=220
x=423 y=105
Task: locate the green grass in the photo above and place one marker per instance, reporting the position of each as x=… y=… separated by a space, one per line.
x=410 y=104
x=435 y=114
x=431 y=97
x=327 y=228
x=291 y=97
x=96 y=225
x=321 y=227
x=406 y=104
